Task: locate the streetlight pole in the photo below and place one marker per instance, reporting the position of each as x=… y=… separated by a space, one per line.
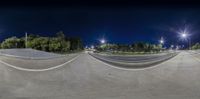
x=161 y=43
x=26 y=40
x=189 y=43
x=102 y=41
x=184 y=35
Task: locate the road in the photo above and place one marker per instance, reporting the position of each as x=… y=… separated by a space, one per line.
x=134 y=61
x=89 y=78
x=133 y=58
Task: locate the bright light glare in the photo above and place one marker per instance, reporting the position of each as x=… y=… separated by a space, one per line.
x=92 y=47
x=161 y=41
x=103 y=41
x=184 y=35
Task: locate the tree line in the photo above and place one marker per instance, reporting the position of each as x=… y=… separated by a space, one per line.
x=196 y=46
x=59 y=43
x=135 y=47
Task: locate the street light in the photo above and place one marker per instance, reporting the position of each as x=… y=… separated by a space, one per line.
x=184 y=35
x=92 y=47
x=103 y=41
x=161 y=41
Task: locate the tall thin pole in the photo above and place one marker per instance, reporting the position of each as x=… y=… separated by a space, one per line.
x=189 y=41
x=26 y=40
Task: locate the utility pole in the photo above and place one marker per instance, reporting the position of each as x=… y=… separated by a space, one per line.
x=26 y=40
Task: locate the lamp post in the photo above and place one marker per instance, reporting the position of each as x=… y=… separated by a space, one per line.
x=185 y=36
x=103 y=41
x=26 y=39
x=161 y=43
x=92 y=46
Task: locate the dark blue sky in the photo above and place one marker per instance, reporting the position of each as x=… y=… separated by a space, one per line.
x=119 y=25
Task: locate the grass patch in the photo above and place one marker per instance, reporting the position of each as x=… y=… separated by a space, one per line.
x=128 y=53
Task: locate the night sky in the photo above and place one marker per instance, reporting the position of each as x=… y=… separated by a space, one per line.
x=116 y=24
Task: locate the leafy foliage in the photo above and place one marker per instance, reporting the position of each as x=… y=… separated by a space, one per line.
x=76 y=44
x=135 y=47
x=53 y=44
x=13 y=42
x=196 y=46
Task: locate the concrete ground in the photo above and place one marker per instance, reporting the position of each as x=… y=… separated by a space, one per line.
x=89 y=78
x=37 y=63
x=27 y=53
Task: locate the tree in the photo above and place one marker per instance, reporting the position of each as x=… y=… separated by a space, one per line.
x=123 y=47
x=196 y=46
x=54 y=44
x=31 y=43
x=39 y=43
x=64 y=43
x=60 y=35
x=76 y=44
x=13 y=42
x=138 y=47
x=156 y=48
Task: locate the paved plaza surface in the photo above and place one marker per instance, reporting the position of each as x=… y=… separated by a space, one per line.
x=89 y=78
